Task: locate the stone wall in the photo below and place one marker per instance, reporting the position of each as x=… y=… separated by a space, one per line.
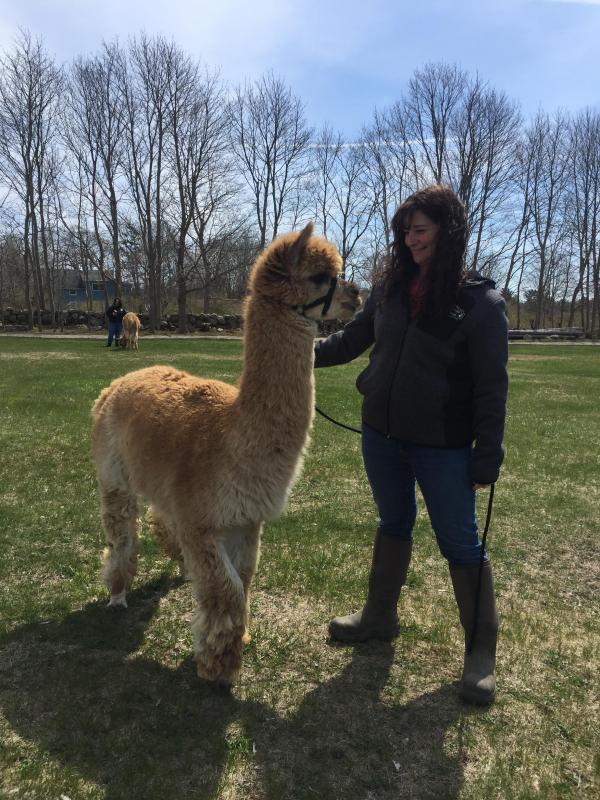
x=18 y=319
x=15 y=320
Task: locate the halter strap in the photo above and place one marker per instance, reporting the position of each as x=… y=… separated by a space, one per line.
x=324 y=300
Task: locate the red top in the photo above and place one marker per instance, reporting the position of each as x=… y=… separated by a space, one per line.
x=416 y=296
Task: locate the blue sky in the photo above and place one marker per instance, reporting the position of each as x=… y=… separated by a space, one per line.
x=346 y=57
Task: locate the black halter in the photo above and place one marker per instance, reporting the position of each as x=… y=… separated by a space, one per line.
x=324 y=300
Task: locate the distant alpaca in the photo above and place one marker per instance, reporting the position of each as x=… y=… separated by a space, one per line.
x=131 y=330
x=217 y=461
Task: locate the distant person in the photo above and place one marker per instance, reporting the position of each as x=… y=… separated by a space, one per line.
x=114 y=314
x=434 y=399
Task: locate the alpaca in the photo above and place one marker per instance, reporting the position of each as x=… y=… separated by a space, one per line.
x=131 y=330
x=215 y=461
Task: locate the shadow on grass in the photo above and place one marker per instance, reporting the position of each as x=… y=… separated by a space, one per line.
x=345 y=742
x=140 y=730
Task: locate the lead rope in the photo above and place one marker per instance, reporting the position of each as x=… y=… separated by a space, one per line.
x=480 y=573
x=335 y=422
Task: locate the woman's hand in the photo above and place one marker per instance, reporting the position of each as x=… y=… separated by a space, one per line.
x=480 y=486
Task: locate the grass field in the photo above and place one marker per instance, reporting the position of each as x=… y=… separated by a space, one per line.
x=95 y=704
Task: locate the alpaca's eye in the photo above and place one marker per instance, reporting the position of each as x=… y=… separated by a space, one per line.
x=320 y=277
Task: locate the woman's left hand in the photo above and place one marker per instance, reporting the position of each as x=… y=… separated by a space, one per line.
x=480 y=486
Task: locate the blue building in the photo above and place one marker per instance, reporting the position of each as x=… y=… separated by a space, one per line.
x=77 y=287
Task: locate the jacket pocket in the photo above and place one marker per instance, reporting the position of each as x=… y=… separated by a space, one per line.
x=362 y=379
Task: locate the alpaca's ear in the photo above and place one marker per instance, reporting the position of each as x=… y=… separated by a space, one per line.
x=299 y=246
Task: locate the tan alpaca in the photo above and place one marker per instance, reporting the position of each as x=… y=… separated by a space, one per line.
x=217 y=461
x=131 y=331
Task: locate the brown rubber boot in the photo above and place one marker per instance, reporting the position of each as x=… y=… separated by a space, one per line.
x=478 y=684
x=379 y=617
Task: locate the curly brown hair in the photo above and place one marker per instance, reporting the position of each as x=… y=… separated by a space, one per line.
x=447 y=269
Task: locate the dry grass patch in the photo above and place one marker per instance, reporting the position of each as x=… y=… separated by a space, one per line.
x=48 y=355
x=158 y=358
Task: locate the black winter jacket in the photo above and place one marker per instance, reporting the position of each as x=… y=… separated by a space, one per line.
x=437 y=384
x=115 y=313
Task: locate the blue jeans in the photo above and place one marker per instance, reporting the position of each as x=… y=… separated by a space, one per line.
x=114 y=329
x=394 y=468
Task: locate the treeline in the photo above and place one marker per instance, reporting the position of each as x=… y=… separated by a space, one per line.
x=140 y=163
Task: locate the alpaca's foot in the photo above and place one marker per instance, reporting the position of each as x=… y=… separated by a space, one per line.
x=118 y=585
x=118 y=600
x=118 y=574
x=218 y=655
x=223 y=662
x=222 y=669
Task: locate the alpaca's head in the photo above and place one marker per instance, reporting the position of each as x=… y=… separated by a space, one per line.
x=301 y=271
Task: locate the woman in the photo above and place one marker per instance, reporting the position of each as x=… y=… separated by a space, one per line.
x=114 y=314
x=434 y=400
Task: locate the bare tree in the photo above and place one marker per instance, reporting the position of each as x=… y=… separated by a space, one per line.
x=546 y=152
x=484 y=133
x=83 y=121
x=456 y=130
x=30 y=86
x=324 y=154
x=198 y=162
x=89 y=244
x=345 y=202
x=96 y=136
x=148 y=123
x=387 y=166
x=584 y=200
x=11 y=261
x=522 y=215
x=433 y=95
x=270 y=139
x=220 y=235
x=158 y=179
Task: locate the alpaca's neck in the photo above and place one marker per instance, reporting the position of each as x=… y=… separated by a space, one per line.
x=276 y=390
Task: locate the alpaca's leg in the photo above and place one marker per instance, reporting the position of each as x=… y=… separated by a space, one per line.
x=119 y=518
x=219 y=621
x=243 y=548
x=165 y=535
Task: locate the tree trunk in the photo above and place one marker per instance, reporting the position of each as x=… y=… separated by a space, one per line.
x=182 y=303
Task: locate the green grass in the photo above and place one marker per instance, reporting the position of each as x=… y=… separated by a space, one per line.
x=95 y=704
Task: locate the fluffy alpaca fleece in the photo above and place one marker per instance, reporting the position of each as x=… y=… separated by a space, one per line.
x=216 y=461
x=131 y=331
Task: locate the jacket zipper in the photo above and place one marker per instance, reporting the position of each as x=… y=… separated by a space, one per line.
x=389 y=399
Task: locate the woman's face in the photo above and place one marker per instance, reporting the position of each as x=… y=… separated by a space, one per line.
x=420 y=236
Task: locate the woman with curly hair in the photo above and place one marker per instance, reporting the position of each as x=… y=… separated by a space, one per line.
x=434 y=402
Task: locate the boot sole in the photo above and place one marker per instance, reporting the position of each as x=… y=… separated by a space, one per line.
x=477 y=698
